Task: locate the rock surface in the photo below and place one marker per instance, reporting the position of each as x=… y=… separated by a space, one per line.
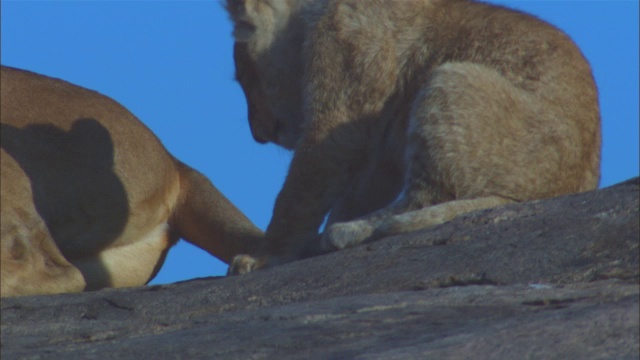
x=549 y=279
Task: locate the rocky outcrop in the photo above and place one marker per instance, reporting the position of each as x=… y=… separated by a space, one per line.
x=546 y=279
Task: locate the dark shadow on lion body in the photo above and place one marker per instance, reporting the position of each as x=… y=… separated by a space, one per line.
x=73 y=182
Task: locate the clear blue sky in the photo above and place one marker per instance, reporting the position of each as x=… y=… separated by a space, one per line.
x=170 y=63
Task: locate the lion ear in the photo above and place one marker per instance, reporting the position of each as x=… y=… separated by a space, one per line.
x=252 y=16
x=243 y=25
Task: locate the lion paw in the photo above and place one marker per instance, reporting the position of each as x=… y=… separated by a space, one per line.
x=244 y=264
x=344 y=235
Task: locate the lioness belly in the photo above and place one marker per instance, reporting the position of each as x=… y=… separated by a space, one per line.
x=132 y=264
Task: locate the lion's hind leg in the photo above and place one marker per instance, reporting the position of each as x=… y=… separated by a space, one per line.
x=433 y=215
x=473 y=142
x=348 y=234
x=32 y=263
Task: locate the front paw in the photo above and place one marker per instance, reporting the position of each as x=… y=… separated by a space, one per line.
x=348 y=234
x=244 y=264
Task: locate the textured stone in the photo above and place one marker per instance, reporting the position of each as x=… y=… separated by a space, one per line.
x=548 y=279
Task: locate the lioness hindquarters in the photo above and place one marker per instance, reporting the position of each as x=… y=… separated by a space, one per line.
x=89 y=196
x=31 y=263
x=477 y=141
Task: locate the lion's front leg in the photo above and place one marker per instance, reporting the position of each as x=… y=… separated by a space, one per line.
x=315 y=180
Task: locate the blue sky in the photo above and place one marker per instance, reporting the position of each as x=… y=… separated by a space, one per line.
x=170 y=63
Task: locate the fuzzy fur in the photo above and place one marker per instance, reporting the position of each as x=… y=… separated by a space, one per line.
x=91 y=198
x=406 y=113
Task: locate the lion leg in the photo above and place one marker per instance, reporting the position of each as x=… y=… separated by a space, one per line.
x=32 y=264
x=433 y=215
x=353 y=233
x=368 y=193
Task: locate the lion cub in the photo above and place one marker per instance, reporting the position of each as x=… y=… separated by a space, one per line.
x=404 y=114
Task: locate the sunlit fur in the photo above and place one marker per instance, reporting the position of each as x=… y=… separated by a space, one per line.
x=406 y=113
x=91 y=198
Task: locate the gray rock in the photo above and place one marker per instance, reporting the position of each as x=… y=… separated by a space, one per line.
x=549 y=279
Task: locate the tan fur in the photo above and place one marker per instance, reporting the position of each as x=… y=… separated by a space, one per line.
x=90 y=197
x=406 y=113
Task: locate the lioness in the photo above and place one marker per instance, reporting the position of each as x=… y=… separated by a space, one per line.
x=406 y=113
x=91 y=198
